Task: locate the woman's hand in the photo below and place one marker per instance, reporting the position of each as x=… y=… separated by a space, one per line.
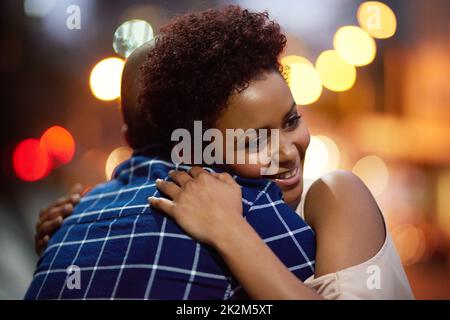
x=207 y=206
x=51 y=218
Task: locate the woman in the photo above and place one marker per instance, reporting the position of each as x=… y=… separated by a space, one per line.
x=222 y=67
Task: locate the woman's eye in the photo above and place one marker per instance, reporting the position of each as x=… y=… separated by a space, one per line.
x=293 y=121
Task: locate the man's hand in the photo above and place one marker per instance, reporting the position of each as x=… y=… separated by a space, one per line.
x=51 y=218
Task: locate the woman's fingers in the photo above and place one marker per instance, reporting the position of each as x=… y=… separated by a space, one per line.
x=41 y=244
x=51 y=218
x=162 y=204
x=169 y=188
x=225 y=177
x=48 y=227
x=73 y=199
x=77 y=189
x=63 y=211
x=195 y=172
x=180 y=177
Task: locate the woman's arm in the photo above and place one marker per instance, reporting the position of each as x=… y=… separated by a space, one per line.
x=257 y=268
x=218 y=222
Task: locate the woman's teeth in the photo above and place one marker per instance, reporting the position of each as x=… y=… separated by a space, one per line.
x=287 y=175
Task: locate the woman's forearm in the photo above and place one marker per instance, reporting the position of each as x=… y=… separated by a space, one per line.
x=257 y=268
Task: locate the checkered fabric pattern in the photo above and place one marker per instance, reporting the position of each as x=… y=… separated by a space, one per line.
x=124 y=249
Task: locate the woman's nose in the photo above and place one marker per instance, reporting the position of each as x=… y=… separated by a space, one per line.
x=287 y=151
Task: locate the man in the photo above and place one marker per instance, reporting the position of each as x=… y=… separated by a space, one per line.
x=114 y=246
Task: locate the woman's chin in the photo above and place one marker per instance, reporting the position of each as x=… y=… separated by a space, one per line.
x=292 y=196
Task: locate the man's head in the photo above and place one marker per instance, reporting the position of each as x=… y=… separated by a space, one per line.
x=136 y=129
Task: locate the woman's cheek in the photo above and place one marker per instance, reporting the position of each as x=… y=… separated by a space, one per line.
x=246 y=170
x=306 y=136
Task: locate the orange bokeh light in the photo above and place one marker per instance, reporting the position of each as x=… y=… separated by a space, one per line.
x=59 y=144
x=31 y=161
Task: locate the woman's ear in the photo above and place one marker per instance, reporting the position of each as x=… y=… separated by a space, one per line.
x=126 y=135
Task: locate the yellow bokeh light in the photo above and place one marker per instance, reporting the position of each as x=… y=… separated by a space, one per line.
x=377 y=19
x=289 y=60
x=105 y=79
x=304 y=82
x=116 y=157
x=335 y=73
x=355 y=45
x=410 y=242
x=321 y=157
x=334 y=155
x=373 y=171
x=316 y=159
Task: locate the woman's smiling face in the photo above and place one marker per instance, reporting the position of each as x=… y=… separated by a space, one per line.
x=268 y=103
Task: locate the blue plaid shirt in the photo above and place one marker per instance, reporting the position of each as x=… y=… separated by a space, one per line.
x=125 y=249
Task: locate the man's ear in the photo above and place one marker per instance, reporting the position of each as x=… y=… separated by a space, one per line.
x=126 y=134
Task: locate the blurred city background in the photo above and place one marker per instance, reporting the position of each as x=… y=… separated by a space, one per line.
x=373 y=79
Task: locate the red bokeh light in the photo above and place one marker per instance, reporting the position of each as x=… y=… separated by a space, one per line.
x=59 y=144
x=31 y=161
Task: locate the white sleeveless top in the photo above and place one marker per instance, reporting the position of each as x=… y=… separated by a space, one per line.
x=380 y=277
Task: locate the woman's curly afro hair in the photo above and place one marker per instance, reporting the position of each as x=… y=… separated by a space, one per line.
x=199 y=59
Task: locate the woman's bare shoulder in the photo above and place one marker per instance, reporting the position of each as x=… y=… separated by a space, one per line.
x=346 y=218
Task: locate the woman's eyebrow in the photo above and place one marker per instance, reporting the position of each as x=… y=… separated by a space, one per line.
x=293 y=106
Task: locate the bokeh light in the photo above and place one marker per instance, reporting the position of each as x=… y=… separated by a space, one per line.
x=38 y=8
x=335 y=73
x=355 y=45
x=304 y=82
x=373 y=172
x=334 y=155
x=59 y=144
x=130 y=35
x=291 y=59
x=106 y=79
x=89 y=169
x=410 y=242
x=316 y=159
x=321 y=157
x=443 y=201
x=377 y=19
x=31 y=161
x=116 y=157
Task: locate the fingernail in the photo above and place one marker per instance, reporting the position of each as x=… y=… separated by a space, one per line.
x=59 y=219
x=75 y=198
x=158 y=181
x=171 y=171
x=68 y=207
x=150 y=199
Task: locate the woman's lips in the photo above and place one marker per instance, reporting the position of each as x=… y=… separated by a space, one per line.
x=287 y=179
x=293 y=179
